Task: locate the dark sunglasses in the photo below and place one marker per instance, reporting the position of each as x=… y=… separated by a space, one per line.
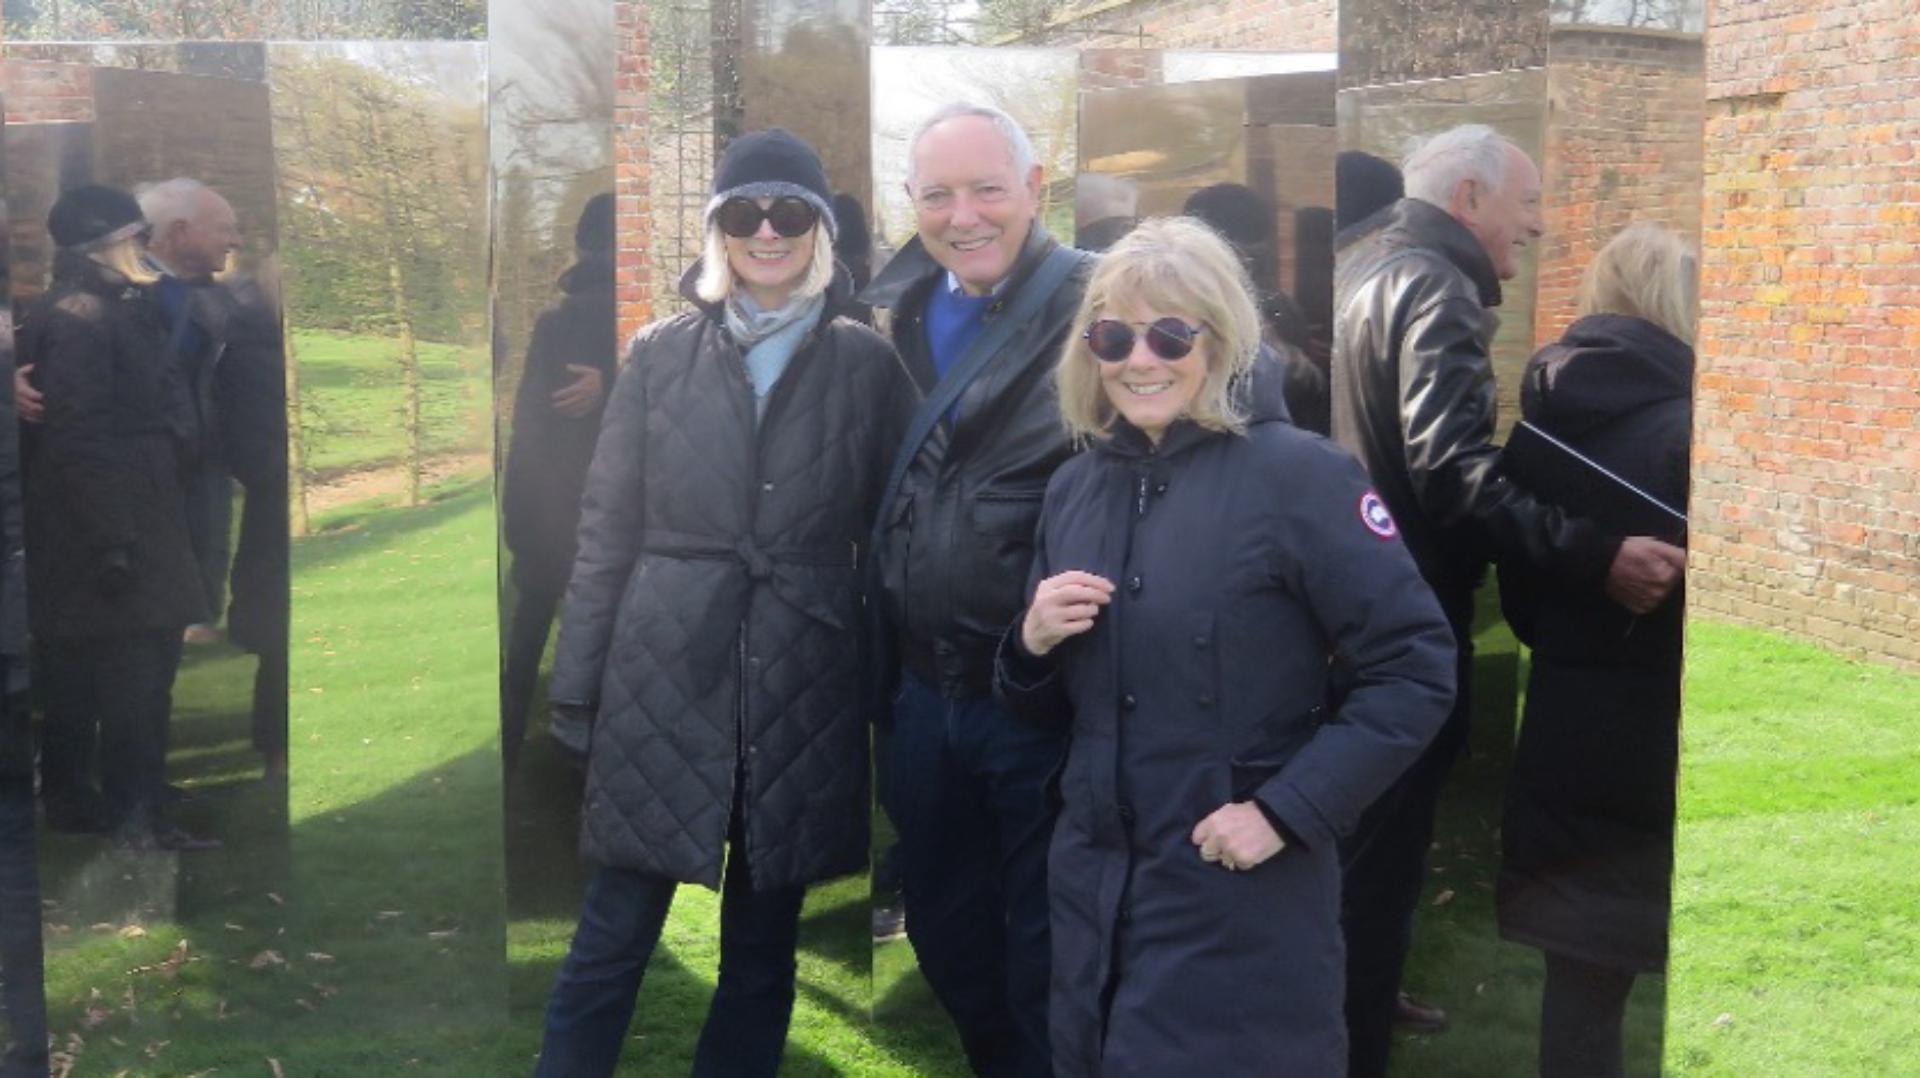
x=790 y=216
x=1112 y=340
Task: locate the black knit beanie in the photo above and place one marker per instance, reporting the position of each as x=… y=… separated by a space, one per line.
x=770 y=164
x=93 y=217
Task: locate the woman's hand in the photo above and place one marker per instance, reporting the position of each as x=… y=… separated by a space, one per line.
x=1238 y=836
x=1063 y=605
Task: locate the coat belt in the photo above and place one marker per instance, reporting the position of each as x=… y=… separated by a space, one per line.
x=711 y=641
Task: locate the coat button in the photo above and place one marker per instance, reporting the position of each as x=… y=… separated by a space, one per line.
x=767 y=487
x=1203 y=641
x=1205 y=699
x=1160 y=487
x=1126 y=813
x=1126 y=912
x=1127 y=702
x=1134 y=584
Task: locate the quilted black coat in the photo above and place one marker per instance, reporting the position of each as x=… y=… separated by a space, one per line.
x=1241 y=565
x=712 y=615
x=104 y=478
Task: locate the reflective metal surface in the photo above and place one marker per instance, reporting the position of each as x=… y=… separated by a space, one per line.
x=1389 y=41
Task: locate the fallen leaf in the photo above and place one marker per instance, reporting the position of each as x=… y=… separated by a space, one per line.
x=387 y=915
x=319 y=956
x=231 y=927
x=275 y=1064
x=267 y=960
x=1443 y=898
x=276 y=899
x=1723 y=1021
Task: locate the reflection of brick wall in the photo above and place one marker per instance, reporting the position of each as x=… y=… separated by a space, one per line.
x=1623 y=145
x=1806 y=498
x=1278 y=25
x=38 y=93
x=632 y=172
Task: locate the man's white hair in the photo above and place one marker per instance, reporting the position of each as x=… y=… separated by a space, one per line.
x=1019 y=146
x=1475 y=152
x=168 y=201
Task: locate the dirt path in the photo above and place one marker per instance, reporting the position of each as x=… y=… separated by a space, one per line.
x=373 y=483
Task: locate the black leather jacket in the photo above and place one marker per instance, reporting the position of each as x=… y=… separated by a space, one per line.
x=957 y=541
x=1413 y=398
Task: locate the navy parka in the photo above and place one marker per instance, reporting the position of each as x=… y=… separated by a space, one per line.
x=1242 y=565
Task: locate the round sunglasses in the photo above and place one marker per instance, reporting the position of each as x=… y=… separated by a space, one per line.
x=1111 y=340
x=790 y=216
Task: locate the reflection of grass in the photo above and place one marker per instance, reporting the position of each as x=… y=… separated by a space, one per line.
x=1796 y=948
x=350 y=389
x=1489 y=987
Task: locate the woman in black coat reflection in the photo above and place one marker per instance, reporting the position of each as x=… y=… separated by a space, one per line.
x=1195 y=571
x=1588 y=830
x=109 y=562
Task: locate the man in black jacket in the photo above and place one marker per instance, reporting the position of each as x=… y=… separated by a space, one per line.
x=981 y=301
x=1413 y=398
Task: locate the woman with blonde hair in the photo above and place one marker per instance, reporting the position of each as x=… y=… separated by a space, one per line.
x=110 y=565
x=710 y=637
x=1195 y=569
x=1588 y=831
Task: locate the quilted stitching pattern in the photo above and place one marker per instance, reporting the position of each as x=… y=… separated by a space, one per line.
x=662 y=765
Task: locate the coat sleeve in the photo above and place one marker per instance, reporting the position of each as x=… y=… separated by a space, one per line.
x=1447 y=423
x=1339 y=553
x=612 y=516
x=1029 y=685
x=76 y=374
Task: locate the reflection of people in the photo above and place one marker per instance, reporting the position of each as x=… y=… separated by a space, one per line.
x=1588 y=830
x=556 y=420
x=1413 y=397
x=194 y=236
x=23 y=1004
x=109 y=561
x=1363 y=185
x=982 y=301
x=1183 y=623
x=1105 y=208
x=853 y=246
x=711 y=620
x=250 y=398
x=1249 y=223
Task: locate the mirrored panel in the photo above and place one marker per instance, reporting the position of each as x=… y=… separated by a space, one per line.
x=254 y=20
x=1396 y=41
x=162 y=745
x=382 y=168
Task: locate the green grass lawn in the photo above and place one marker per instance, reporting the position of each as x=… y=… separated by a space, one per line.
x=351 y=400
x=357 y=920
x=1796 y=911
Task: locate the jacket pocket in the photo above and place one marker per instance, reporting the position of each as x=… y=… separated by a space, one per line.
x=1277 y=738
x=1007 y=514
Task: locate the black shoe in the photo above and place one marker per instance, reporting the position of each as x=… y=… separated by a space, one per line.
x=889 y=922
x=1416 y=1017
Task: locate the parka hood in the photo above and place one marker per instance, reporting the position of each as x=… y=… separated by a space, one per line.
x=1603 y=367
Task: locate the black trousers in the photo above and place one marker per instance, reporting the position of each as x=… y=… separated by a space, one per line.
x=1582 y=1011
x=270 y=703
x=124 y=686
x=536 y=599
x=1384 y=867
x=23 y=1001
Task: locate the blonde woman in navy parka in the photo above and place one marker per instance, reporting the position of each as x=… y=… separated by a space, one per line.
x=1196 y=570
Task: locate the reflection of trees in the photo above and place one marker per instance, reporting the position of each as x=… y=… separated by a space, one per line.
x=383 y=223
x=1680 y=15
x=240 y=20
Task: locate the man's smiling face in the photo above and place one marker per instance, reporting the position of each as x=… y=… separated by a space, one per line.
x=973 y=208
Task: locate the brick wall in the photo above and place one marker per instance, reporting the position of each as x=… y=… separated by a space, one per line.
x=1626 y=109
x=1807 y=435
x=632 y=171
x=1277 y=25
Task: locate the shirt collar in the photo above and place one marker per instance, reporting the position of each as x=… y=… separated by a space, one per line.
x=954 y=286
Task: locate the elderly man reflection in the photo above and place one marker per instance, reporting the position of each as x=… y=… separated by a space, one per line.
x=194 y=236
x=109 y=558
x=711 y=623
x=982 y=302
x=1413 y=397
x=1196 y=568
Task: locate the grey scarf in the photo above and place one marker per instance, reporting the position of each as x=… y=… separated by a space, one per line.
x=770 y=338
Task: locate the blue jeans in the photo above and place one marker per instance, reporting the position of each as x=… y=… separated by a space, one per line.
x=964 y=783
x=620 y=921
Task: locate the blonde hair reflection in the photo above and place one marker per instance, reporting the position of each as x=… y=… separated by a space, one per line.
x=1649 y=272
x=1179 y=266
x=127 y=258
